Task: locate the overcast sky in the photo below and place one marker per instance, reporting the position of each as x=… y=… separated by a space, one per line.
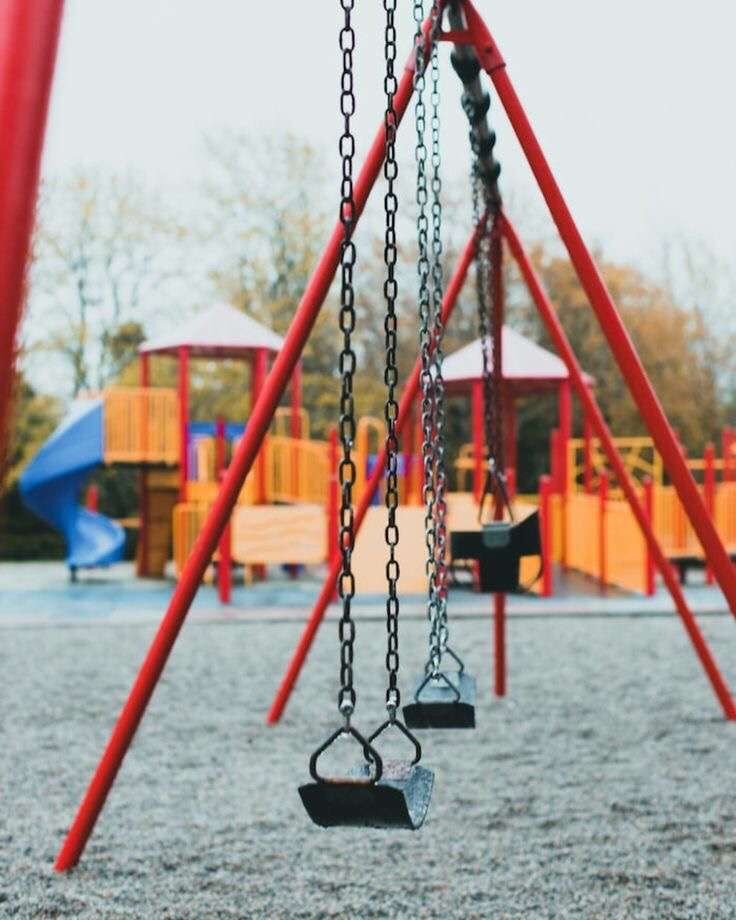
x=633 y=101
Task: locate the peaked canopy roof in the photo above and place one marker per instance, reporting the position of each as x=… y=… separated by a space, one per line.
x=526 y=365
x=220 y=331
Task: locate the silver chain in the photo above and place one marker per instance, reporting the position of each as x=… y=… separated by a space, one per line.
x=440 y=634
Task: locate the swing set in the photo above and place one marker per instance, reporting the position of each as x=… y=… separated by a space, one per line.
x=379 y=792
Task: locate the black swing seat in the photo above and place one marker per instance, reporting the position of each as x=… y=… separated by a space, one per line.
x=400 y=799
x=447 y=702
x=499 y=547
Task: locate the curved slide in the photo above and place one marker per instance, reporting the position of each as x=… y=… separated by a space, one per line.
x=52 y=482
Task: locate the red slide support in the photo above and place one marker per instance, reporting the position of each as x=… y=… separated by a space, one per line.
x=29 y=36
x=598 y=423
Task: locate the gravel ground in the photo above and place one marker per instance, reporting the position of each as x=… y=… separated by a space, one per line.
x=600 y=788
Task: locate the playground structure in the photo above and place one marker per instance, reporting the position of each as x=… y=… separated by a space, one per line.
x=706 y=513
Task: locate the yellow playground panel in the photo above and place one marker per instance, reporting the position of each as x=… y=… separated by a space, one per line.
x=259 y=534
x=640 y=457
x=141 y=425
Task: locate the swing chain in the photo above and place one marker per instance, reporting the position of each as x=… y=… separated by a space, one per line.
x=391 y=373
x=440 y=635
x=495 y=482
x=424 y=303
x=347 y=362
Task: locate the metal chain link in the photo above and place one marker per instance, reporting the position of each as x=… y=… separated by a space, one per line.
x=391 y=373
x=483 y=207
x=425 y=317
x=346 y=469
x=482 y=281
x=439 y=635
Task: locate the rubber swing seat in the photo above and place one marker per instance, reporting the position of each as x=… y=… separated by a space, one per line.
x=400 y=799
x=444 y=702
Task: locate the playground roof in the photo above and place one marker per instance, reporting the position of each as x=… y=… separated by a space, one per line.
x=220 y=331
x=526 y=366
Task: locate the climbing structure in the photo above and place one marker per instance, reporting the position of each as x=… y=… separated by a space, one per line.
x=472 y=40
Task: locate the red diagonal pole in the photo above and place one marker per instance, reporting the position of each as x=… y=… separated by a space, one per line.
x=600 y=299
x=594 y=414
x=29 y=35
x=411 y=388
x=219 y=514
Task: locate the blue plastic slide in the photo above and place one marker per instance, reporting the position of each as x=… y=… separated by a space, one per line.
x=53 y=480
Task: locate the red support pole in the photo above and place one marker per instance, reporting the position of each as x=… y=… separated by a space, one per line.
x=183 y=391
x=92 y=499
x=224 y=568
x=142 y=570
x=591 y=408
x=476 y=415
x=608 y=317
x=511 y=434
x=511 y=482
x=194 y=568
x=709 y=493
x=587 y=456
x=499 y=387
x=29 y=35
x=649 y=572
x=411 y=388
x=545 y=514
x=602 y=541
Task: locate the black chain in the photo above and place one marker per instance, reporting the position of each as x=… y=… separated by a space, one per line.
x=346 y=470
x=391 y=373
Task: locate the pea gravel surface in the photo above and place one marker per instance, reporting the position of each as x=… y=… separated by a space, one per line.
x=601 y=787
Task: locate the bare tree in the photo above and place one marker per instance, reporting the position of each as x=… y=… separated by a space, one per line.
x=101 y=249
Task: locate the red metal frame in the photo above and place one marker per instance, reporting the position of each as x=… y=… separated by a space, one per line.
x=598 y=423
x=277 y=381
x=29 y=36
x=603 y=306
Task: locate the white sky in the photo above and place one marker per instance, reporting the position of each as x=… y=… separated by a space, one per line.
x=632 y=100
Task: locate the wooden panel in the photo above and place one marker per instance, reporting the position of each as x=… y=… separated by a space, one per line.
x=268 y=534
